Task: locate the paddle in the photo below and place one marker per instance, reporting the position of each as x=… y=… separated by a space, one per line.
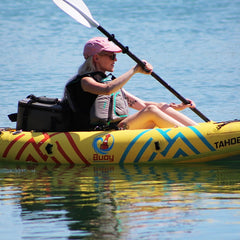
x=80 y=12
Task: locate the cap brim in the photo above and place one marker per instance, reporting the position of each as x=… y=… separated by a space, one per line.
x=112 y=48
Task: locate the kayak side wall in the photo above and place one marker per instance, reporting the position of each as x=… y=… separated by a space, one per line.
x=205 y=142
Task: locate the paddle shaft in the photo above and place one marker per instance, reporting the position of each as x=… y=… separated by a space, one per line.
x=125 y=50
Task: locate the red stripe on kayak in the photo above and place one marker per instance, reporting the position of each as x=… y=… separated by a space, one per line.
x=51 y=135
x=55 y=160
x=35 y=145
x=60 y=149
x=30 y=158
x=11 y=144
x=73 y=144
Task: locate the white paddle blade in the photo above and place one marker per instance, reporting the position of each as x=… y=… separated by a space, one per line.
x=78 y=10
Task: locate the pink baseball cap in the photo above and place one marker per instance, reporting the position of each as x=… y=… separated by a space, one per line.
x=99 y=44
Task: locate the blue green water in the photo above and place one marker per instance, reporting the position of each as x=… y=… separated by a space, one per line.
x=113 y=202
x=194 y=46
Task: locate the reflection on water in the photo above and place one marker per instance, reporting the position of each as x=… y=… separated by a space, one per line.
x=113 y=202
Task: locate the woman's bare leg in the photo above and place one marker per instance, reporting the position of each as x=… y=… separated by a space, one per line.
x=149 y=117
x=186 y=121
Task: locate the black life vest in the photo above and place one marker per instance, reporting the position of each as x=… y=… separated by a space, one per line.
x=89 y=110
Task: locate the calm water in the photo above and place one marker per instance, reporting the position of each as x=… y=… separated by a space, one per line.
x=130 y=202
x=194 y=46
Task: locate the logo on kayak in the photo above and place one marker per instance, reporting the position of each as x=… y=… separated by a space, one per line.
x=103 y=143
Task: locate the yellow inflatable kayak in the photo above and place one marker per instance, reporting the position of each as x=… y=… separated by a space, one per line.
x=201 y=143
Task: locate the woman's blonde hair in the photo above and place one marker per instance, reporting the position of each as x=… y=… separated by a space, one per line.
x=87 y=67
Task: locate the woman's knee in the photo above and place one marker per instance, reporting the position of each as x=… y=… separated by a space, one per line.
x=163 y=106
x=153 y=111
x=151 y=108
x=155 y=108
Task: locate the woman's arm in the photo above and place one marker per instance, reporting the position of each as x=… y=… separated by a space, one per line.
x=138 y=104
x=182 y=106
x=90 y=85
x=134 y=102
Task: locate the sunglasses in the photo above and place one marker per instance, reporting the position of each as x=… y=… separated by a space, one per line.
x=112 y=56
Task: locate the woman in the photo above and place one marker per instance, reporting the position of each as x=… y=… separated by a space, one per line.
x=96 y=100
